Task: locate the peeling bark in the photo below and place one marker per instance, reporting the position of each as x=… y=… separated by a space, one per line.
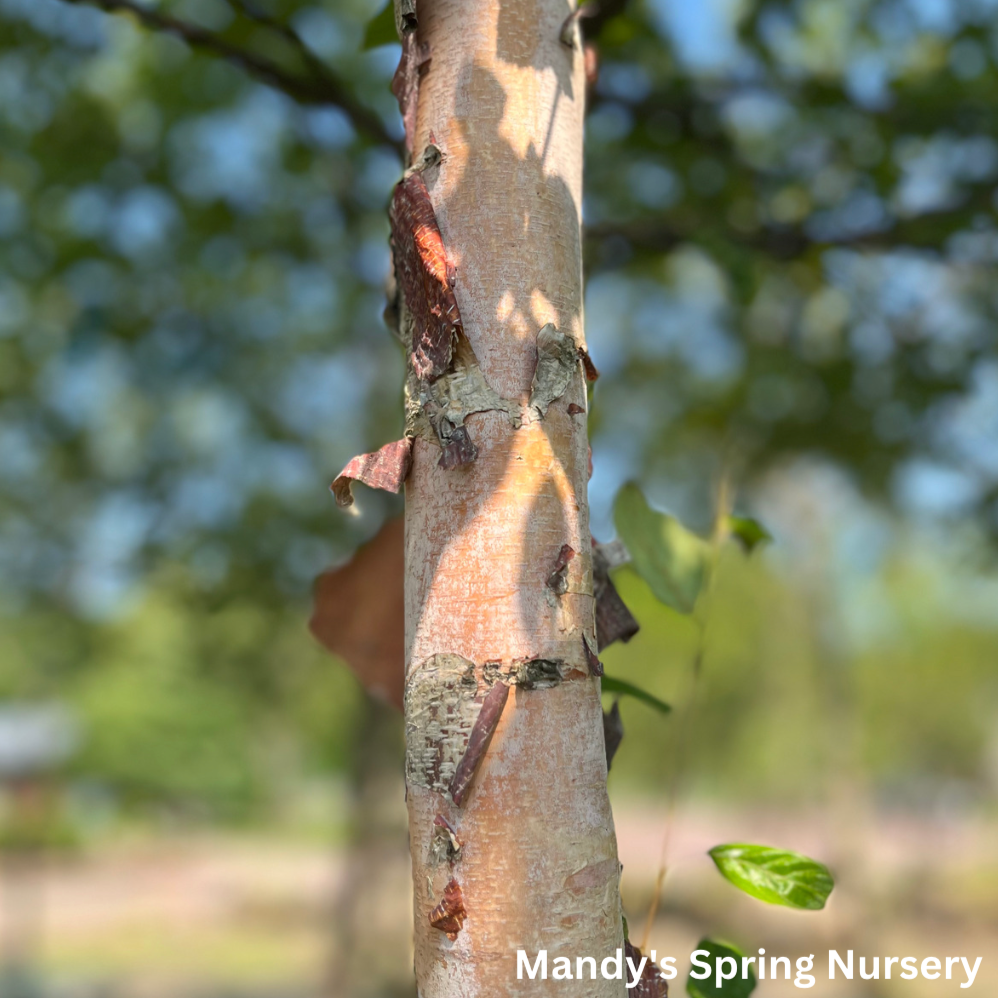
x=591 y=55
x=595 y=665
x=613 y=731
x=424 y=277
x=540 y=673
x=445 y=846
x=385 y=469
x=570 y=36
x=438 y=410
x=651 y=984
x=441 y=706
x=614 y=622
x=405 y=16
x=558 y=579
x=557 y=359
x=458 y=449
x=405 y=83
x=481 y=734
x=587 y=363
x=523 y=788
x=449 y=915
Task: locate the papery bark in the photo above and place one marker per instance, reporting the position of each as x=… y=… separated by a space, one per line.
x=502 y=98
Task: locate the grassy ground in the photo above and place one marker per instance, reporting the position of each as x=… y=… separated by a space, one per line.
x=236 y=916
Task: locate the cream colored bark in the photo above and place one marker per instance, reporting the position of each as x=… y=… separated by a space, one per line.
x=502 y=98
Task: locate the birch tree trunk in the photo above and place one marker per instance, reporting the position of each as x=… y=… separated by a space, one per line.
x=512 y=839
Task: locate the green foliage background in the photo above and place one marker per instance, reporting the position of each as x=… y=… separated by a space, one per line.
x=790 y=246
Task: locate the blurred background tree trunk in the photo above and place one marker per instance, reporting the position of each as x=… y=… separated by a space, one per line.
x=373 y=956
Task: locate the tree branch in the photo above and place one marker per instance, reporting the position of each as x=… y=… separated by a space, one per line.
x=605 y=10
x=321 y=88
x=927 y=230
x=660 y=236
x=285 y=31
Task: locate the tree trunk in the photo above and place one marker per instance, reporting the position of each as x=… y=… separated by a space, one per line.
x=512 y=839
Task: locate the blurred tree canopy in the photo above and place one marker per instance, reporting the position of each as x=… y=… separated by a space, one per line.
x=790 y=236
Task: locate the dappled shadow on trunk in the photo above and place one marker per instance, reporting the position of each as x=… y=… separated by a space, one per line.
x=538 y=861
x=544 y=462
x=519 y=26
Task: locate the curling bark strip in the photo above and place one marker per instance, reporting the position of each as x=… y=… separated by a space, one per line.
x=385 y=469
x=482 y=732
x=502 y=101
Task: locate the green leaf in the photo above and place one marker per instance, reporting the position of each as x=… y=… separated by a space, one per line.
x=748 y=532
x=625 y=689
x=672 y=560
x=775 y=875
x=733 y=987
x=381 y=28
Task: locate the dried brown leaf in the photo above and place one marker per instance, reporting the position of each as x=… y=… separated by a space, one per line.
x=359 y=613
